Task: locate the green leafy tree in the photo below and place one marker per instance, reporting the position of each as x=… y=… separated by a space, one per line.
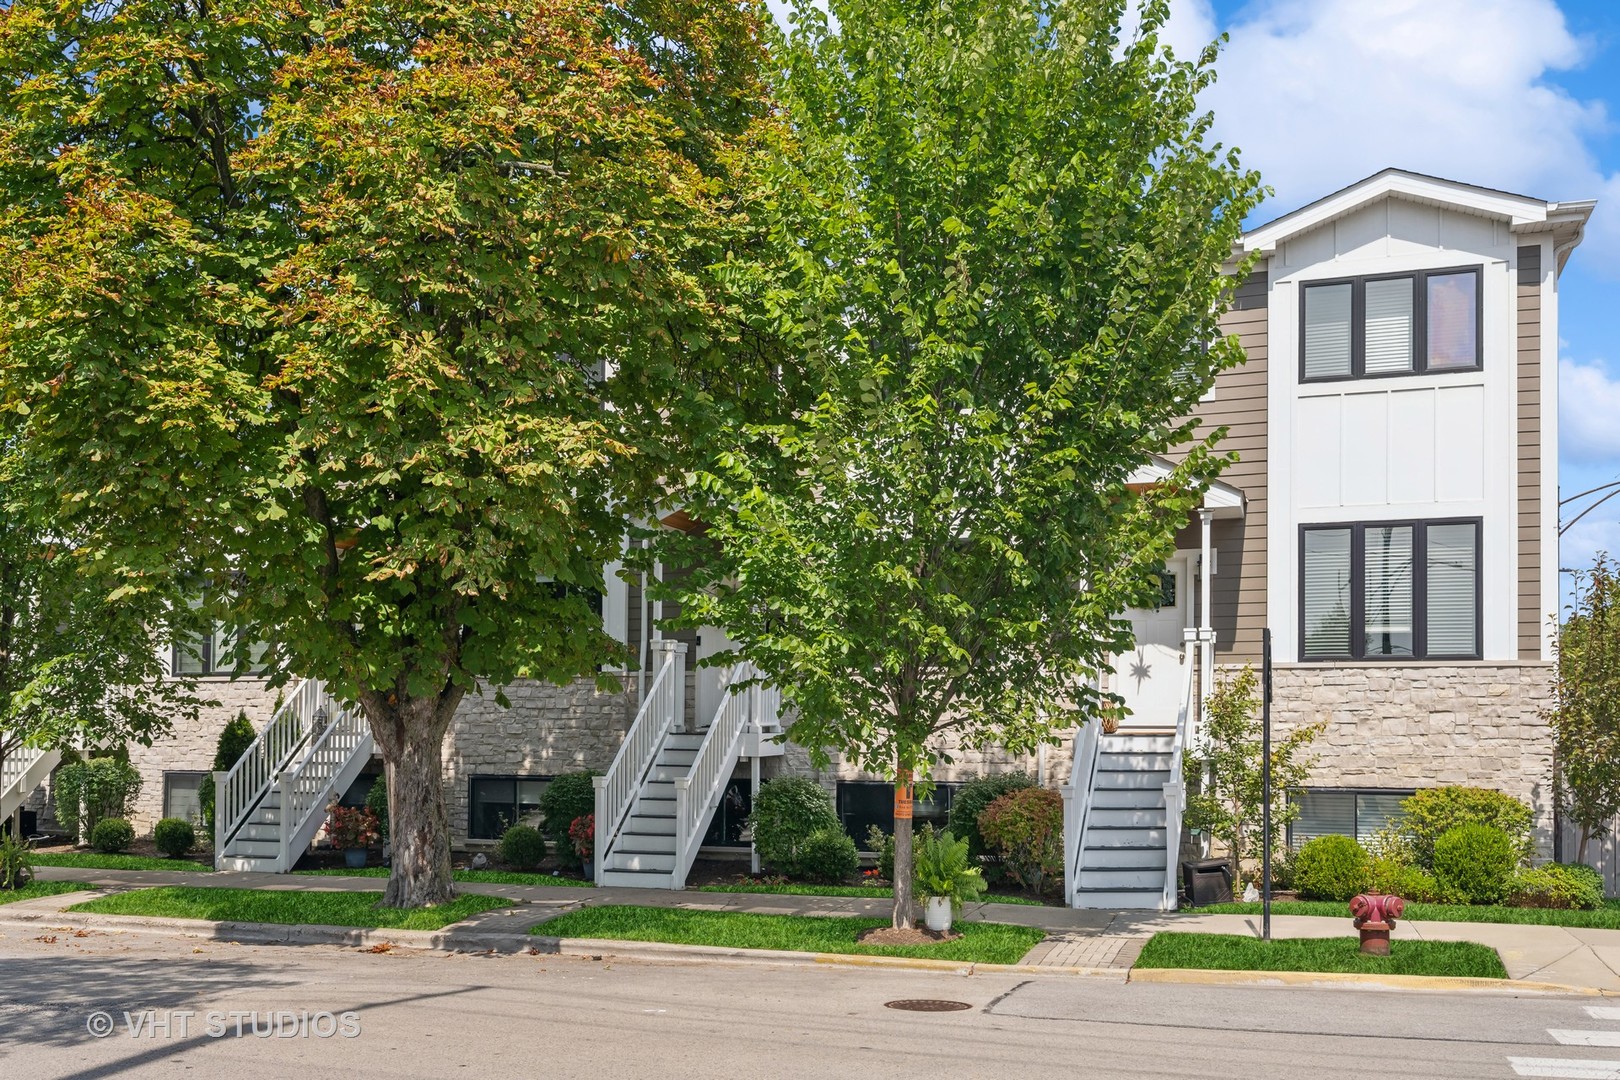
x=1003 y=230
x=377 y=320
x=1585 y=711
x=1226 y=790
x=235 y=739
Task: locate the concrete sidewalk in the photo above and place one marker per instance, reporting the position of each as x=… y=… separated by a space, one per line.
x=1566 y=956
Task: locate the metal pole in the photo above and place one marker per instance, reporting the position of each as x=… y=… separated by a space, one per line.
x=1265 y=790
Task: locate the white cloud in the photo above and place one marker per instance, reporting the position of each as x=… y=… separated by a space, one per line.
x=1319 y=95
x=1588 y=413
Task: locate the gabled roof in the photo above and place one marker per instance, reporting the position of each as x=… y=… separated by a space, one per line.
x=1523 y=214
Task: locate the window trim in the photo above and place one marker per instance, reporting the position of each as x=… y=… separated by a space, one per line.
x=1354 y=792
x=474 y=778
x=167 y=788
x=1420 y=324
x=1420 y=591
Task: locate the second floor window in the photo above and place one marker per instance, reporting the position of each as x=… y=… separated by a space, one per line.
x=1389 y=591
x=212 y=653
x=1407 y=324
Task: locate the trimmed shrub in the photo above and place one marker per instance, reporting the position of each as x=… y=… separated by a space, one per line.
x=112 y=835
x=1472 y=863
x=174 y=837
x=1390 y=875
x=883 y=843
x=1331 y=868
x=828 y=856
x=233 y=742
x=1283 y=867
x=567 y=797
x=1570 y=887
x=787 y=812
x=972 y=799
x=16 y=865
x=1025 y=827
x=522 y=847
x=105 y=787
x=1433 y=812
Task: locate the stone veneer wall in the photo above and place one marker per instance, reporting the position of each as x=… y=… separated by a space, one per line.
x=1414 y=726
x=966 y=764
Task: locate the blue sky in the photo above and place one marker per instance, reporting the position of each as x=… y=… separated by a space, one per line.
x=1522 y=95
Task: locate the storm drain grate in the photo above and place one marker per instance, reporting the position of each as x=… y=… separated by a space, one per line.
x=927 y=1005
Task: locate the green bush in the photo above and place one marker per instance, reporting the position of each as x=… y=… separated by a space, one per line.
x=787 y=812
x=16 y=867
x=233 y=742
x=973 y=798
x=104 y=787
x=828 y=856
x=522 y=847
x=174 y=837
x=943 y=868
x=1433 y=812
x=112 y=835
x=377 y=803
x=883 y=843
x=1331 y=868
x=1391 y=875
x=1025 y=827
x=1472 y=863
x=567 y=797
x=1571 y=887
x=1283 y=866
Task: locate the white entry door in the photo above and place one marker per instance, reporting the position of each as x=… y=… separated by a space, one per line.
x=1150 y=676
x=709 y=680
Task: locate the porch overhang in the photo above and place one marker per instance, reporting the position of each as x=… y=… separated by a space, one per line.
x=1221 y=500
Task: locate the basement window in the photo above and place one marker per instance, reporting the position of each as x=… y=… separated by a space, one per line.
x=1357 y=814
x=496 y=803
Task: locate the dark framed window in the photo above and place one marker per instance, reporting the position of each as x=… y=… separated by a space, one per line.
x=180 y=795
x=210 y=653
x=864 y=803
x=1399 y=324
x=1336 y=812
x=495 y=803
x=1390 y=591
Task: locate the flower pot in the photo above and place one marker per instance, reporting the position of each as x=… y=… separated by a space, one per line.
x=589 y=869
x=937 y=913
x=354 y=858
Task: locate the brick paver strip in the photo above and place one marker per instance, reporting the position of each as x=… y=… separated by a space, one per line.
x=1085 y=950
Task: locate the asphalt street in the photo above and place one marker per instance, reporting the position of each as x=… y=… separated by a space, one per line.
x=103 y=1005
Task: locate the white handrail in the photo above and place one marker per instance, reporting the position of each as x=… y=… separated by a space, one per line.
x=303 y=791
x=269 y=754
x=17 y=764
x=1077 y=803
x=1175 y=792
x=616 y=791
x=697 y=792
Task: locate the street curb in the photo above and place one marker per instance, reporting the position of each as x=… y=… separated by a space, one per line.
x=1353 y=980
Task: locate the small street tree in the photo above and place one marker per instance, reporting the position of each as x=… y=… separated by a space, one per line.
x=1585 y=709
x=1226 y=788
x=374 y=321
x=1003 y=229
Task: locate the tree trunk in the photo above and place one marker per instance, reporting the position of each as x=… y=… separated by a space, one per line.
x=904 y=919
x=410 y=732
x=1580 y=847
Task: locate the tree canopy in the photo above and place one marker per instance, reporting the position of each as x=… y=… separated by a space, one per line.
x=1585 y=710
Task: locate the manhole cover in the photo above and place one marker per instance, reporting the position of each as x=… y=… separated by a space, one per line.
x=927 y=1005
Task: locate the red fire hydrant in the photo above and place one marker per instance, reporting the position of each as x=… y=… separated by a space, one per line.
x=1375 y=914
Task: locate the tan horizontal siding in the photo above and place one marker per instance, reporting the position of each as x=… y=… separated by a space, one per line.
x=1531 y=616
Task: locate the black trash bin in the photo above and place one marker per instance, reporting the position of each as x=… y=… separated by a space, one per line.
x=1207 y=881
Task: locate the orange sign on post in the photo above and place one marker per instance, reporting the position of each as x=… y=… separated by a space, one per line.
x=903 y=790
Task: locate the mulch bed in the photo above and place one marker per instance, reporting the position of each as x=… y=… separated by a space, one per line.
x=919 y=935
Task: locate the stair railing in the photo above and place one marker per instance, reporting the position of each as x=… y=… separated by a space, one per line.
x=1077 y=803
x=306 y=789
x=660 y=713
x=1175 y=791
x=14 y=770
x=244 y=786
x=697 y=793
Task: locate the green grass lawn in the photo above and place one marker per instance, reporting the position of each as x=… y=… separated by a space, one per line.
x=95 y=860
x=1233 y=952
x=35 y=889
x=304 y=908
x=981 y=943
x=1604 y=918
x=485 y=877
x=872 y=892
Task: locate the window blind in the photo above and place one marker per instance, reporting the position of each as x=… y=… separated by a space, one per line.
x=1388 y=345
x=1388 y=611
x=1327 y=592
x=1322 y=813
x=1327 y=330
x=1452 y=565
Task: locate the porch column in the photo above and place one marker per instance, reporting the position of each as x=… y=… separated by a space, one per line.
x=1206 y=622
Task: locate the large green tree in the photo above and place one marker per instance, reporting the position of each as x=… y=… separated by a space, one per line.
x=1004 y=230
x=1585 y=709
x=376 y=320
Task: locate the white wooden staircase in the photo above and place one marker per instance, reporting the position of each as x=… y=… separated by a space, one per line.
x=269 y=807
x=24 y=769
x=655 y=803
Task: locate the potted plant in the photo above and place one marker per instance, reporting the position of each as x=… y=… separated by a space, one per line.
x=945 y=877
x=582 y=831
x=352 y=829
